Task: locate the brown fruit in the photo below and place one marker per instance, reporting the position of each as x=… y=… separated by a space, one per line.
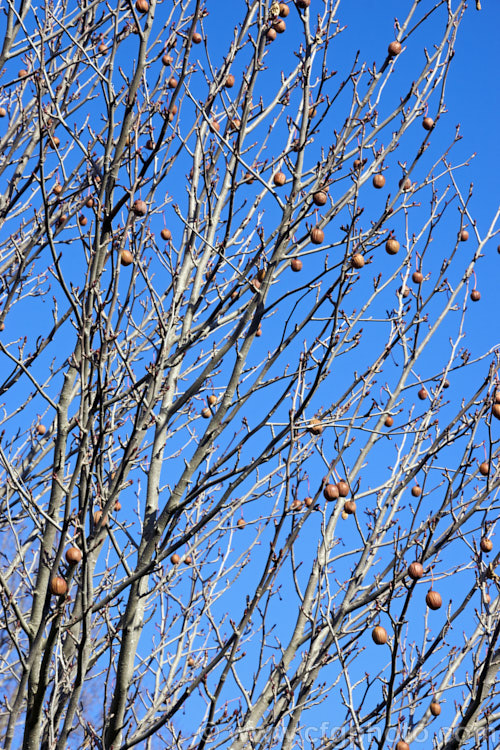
x=229 y=83
x=389 y=421
x=435 y=708
x=402 y=745
x=433 y=599
x=446 y=383
x=392 y=246
x=475 y=295
x=487 y=598
x=261 y=274
x=102 y=48
x=89 y=202
x=279 y=179
x=320 y=198
x=343 y=488
x=379 y=635
x=23 y=73
x=303 y=4
x=73 y=555
x=235 y=123
x=484 y=468
x=97 y=518
x=357 y=260
x=344 y=515
x=215 y=126
x=316 y=428
x=405 y=184
x=58 y=586
x=126 y=258
x=241 y=523
x=427 y=123
x=357 y=163
x=172 y=82
x=197 y=38
x=331 y=492
x=140 y=207
x=296 y=265
x=82 y=220
x=271 y=35
x=206 y=413
x=417 y=277
x=188 y=560
x=496 y=411
x=3 y=112
x=416 y=491
x=191 y=662
x=486 y=544
x=308 y=502
x=167 y=59
x=166 y=234
x=415 y=571
x=41 y=429
x=349 y=507
x=212 y=399
x=175 y=559
x=394 y=48
x=296 y=505
x=54 y=141
x=464 y=235
x=142 y=6
x=284 y=10
x=378 y=181
x=317 y=236
x=118 y=505
x=403 y=291
x=422 y=394
x=57 y=189
x=258 y=332
x=150 y=144
x=279 y=26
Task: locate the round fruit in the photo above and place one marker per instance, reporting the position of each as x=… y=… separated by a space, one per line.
x=405 y=184
x=197 y=38
x=475 y=295
x=142 y=6
x=417 y=277
x=172 y=82
x=118 y=505
x=343 y=488
x=261 y=274
x=167 y=59
x=89 y=202
x=58 y=586
x=303 y=4
x=422 y=394
x=357 y=163
x=394 y=48
x=331 y=492
x=82 y=220
x=435 y=708
x=484 y=468
x=206 y=413
x=416 y=491
x=402 y=745
x=57 y=189
x=296 y=505
x=3 y=112
x=296 y=265
x=241 y=523
x=229 y=81
x=496 y=411
x=344 y=515
x=464 y=235
x=392 y=246
x=308 y=502
x=433 y=599
x=279 y=179
x=97 y=518
x=126 y=258
x=284 y=10
x=188 y=560
x=317 y=236
x=191 y=662
x=389 y=421
x=379 y=635
x=403 y=291
x=166 y=234
x=23 y=73
x=215 y=126
x=416 y=571
x=279 y=26
x=427 y=123
x=54 y=141
x=350 y=507
x=320 y=198
x=140 y=207
x=175 y=559
x=316 y=428
x=73 y=555
x=258 y=332
x=150 y=144
x=212 y=399
x=486 y=544
x=271 y=35
x=41 y=429
x=378 y=181
x=446 y=383
x=357 y=260
x=487 y=598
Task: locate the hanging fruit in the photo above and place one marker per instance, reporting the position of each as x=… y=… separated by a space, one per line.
x=379 y=635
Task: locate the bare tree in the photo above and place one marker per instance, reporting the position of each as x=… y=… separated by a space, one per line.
x=248 y=465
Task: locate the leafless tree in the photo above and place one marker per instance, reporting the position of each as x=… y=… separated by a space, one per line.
x=237 y=266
